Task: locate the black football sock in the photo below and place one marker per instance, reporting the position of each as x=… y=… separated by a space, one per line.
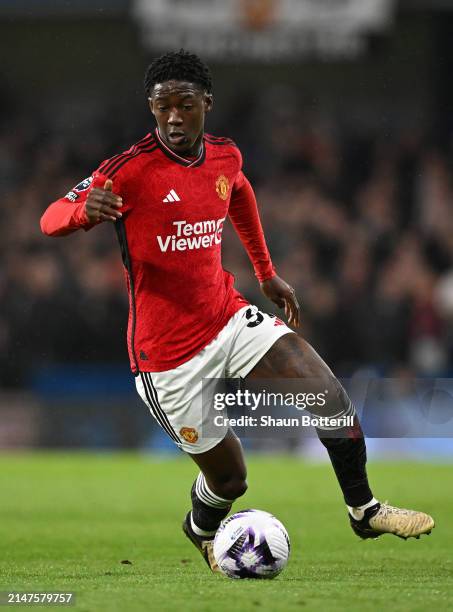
x=347 y=451
x=208 y=508
x=348 y=457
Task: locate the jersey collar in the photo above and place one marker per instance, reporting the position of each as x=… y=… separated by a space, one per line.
x=188 y=163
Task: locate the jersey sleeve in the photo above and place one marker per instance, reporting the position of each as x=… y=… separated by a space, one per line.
x=67 y=214
x=244 y=215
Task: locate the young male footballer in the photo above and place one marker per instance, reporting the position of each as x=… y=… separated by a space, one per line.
x=168 y=196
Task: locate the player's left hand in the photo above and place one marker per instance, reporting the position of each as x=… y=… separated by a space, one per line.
x=282 y=294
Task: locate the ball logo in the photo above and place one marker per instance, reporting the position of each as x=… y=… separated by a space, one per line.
x=222 y=186
x=190 y=434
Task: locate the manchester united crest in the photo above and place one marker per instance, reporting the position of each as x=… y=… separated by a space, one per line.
x=222 y=187
x=190 y=434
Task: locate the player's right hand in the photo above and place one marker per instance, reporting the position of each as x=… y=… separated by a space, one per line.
x=103 y=204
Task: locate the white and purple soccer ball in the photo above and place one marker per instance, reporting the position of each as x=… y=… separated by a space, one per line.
x=251 y=544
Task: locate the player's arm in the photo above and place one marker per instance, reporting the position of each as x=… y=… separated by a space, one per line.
x=82 y=208
x=245 y=217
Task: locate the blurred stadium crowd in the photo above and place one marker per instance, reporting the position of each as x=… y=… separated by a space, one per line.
x=359 y=223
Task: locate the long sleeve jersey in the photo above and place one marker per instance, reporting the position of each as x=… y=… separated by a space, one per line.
x=170 y=236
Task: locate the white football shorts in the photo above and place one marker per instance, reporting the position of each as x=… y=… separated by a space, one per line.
x=174 y=397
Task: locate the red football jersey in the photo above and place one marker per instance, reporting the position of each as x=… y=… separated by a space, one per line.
x=170 y=236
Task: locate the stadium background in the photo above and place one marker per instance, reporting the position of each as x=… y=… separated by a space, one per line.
x=348 y=144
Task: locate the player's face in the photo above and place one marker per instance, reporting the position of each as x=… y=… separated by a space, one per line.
x=179 y=108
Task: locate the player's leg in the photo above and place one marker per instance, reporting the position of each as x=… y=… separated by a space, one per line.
x=175 y=399
x=292 y=357
x=224 y=468
x=176 y=405
x=221 y=481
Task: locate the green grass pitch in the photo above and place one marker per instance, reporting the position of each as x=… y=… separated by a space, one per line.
x=68 y=520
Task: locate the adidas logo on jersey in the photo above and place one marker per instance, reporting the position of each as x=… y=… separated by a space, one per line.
x=172 y=196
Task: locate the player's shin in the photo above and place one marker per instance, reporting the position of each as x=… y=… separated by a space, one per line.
x=208 y=508
x=347 y=451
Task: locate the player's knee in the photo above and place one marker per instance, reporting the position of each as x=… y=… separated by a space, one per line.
x=232 y=488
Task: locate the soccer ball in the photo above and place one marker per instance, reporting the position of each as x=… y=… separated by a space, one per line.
x=251 y=544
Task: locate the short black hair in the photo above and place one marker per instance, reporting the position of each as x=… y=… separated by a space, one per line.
x=179 y=66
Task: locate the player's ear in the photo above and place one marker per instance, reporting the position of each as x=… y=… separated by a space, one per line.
x=208 y=102
x=151 y=105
